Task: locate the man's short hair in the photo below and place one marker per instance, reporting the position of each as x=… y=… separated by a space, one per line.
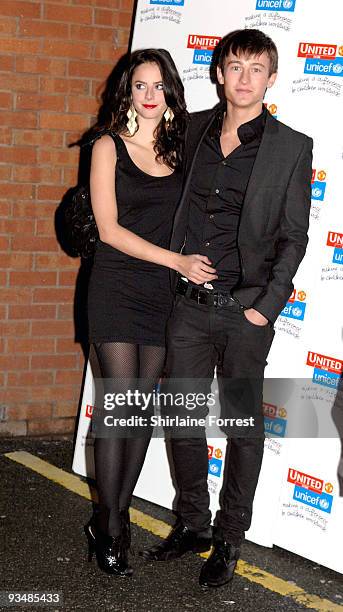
x=247 y=42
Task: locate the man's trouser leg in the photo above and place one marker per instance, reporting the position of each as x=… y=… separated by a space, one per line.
x=240 y=378
x=191 y=357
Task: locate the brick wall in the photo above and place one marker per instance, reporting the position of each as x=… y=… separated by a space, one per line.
x=54 y=56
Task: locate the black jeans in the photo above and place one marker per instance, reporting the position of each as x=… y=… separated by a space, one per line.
x=201 y=337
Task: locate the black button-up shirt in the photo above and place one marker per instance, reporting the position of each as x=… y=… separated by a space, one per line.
x=217 y=191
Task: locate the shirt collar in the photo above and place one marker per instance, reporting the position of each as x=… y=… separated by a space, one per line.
x=247 y=132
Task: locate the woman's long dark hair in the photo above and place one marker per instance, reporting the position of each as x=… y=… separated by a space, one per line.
x=169 y=138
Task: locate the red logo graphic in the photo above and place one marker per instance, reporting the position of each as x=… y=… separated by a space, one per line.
x=317 y=50
x=304 y=480
x=272 y=108
x=269 y=410
x=330 y=364
x=300 y=295
x=292 y=297
x=321 y=175
x=335 y=240
x=210 y=451
x=89 y=411
x=199 y=41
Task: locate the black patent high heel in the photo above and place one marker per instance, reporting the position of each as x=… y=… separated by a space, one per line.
x=91 y=544
x=110 y=555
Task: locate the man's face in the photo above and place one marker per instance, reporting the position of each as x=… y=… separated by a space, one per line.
x=245 y=78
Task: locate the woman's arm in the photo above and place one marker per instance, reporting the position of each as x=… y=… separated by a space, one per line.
x=102 y=186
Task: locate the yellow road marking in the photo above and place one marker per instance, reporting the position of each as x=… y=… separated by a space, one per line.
x=160 y=528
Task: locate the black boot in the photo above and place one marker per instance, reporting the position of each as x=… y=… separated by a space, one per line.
x=179 y=541
x=220 y=566
x=110 y=552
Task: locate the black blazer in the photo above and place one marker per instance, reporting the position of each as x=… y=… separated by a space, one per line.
x=272 y=233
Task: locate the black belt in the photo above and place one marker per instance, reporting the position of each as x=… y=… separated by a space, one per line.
x=207 y=297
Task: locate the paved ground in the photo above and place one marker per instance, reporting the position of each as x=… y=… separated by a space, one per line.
x=41 y=524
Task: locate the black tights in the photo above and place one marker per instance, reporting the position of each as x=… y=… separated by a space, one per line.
x=118 y=461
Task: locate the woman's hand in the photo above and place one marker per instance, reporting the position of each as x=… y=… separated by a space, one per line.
x=197 y=268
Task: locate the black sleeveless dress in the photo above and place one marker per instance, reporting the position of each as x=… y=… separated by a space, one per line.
x=130 y=300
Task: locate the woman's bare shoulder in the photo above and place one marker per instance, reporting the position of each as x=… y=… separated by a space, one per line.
x=104 y=145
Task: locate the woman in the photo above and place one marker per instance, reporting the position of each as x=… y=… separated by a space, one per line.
x=135 y=181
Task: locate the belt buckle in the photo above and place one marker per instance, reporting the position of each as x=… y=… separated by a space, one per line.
x=222 y=300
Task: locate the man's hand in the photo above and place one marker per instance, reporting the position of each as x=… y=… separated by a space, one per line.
x=255 y=317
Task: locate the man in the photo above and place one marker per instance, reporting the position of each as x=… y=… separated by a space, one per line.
x=246 y=206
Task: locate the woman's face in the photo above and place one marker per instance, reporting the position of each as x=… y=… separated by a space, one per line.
x=147 y=92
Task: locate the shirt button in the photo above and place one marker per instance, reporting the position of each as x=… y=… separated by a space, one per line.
x=207 y=244
x=211 y=216
x=224 y=163
x=217 y=190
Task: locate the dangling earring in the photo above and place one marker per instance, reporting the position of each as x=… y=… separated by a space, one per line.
x=132 y=123
x=169 y=116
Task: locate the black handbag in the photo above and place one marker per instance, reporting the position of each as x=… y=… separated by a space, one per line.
x=80 y=218
x=81 y=221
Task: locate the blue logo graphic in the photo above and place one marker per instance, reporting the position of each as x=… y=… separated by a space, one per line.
x=275 y=427
x=325 y=378
x=294 y=310
x=318 y=190
x=321 y=501
x=337 y=256
x=275 y=5
x=170 y=2
x=215 y=467
x=202 y=56
x=333 y=67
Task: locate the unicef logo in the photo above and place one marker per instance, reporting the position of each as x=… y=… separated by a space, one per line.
x=316 y=192
x=337 y=68
x=287 y=4
x=214 y=469
x=297 y=312
x=277 y=429
x=324 y=504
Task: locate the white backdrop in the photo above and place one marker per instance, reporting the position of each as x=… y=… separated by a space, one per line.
x=297 y=504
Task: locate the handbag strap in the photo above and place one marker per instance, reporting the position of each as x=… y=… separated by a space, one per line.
x=117 y=141
x=94 y=138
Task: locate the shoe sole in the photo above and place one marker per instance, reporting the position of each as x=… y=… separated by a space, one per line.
x=172 y=557
x=212 y=585
x=201 y=549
